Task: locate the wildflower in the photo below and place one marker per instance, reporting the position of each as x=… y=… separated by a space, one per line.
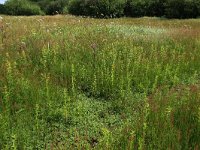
x=23 y=45
x=168 y=110
x=94 y=46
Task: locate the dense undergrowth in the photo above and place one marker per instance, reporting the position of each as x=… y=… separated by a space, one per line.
x=73 y=83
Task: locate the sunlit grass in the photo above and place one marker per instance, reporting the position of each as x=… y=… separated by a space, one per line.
x=79 y=83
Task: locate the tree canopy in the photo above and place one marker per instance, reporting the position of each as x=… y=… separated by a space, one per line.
x=104 y=8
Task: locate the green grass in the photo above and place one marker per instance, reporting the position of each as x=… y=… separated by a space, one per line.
x=78 y=83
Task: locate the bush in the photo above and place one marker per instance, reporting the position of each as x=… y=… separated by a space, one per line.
x=139 y=8
x=182 y=8
x=105 y=8
x=53 y=7
x=22 y=7
x=111 y=8
x=155 y=8
x=65 y=10
x=97 y=8
x=2 y=9
x=76 y=7
x=168 y=8
x=135 y=8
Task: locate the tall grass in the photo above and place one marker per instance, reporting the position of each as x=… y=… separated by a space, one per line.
x=74 y=83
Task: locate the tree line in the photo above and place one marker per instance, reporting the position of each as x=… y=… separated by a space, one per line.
x=104 y=8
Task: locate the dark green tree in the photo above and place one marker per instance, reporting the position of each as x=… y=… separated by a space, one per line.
x=182 y=8
x=155 y=8
x=135 y=8
x=2 y=9
x=97 y=8
x=51 y=7
x=105 y=8
x=22 y=7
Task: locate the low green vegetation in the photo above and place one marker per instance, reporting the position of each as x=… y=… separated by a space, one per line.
x=78 y=83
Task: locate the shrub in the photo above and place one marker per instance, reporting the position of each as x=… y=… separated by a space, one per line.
x=138 y=8
x=182 y=8
x=97 y=8
x=22 y=7
x=2 y=9
x=155 y=7
x=65 y=10
x=111 y=8
x=76 y=7
x=135 y=8
x=53 y=7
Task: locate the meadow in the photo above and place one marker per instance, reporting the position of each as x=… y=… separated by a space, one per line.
x=80 y=83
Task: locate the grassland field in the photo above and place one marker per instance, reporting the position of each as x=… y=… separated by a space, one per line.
x=70 y=82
